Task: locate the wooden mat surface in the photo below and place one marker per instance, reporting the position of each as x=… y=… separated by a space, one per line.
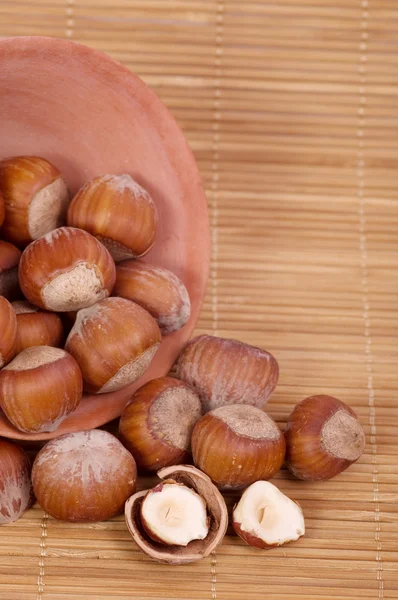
x=291 y=108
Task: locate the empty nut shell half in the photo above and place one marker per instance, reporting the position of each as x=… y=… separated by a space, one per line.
x=196 y=549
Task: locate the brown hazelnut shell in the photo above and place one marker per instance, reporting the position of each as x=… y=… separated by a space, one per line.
x=70 y=254
x=118 y=212
x=312 y=452
x=156 y=289
x=234 y=458
x=21 y=179
x=224 y=371
x=84 y=477
x=147 y=432
x=16 y=493
x=37 y=327
x=8 y=332
x=197 y=549
x=108 y=337
x=39 y=388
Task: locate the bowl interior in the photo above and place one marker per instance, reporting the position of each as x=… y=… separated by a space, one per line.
x=90 y=115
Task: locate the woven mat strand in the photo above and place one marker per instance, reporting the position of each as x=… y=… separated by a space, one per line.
x=291 y=108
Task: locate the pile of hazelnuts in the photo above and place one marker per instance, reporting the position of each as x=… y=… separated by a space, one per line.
x=75 y=265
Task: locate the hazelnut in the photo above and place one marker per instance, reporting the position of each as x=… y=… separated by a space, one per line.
x=9 y=261
x=323 y=438
x=84 y=477
x=36 y=327
x=200 y=534
x=227 y=372
x=65 y=270
x=8 y=329
x=40 y=388
x=15 y=484
x=264 y=517
x=113 y=342
x=174 y=514
x=118 y=212
x=35 y=196
x=236 y=445
x=157 y=425
x=157 y=290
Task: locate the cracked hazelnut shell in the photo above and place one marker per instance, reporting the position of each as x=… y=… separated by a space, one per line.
x=196 y=549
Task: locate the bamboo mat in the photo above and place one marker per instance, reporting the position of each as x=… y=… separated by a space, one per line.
x=291 y=108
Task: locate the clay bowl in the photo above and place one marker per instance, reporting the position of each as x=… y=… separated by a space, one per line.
x=90 y=115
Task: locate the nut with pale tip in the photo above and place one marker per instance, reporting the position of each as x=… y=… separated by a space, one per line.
x=323 y=438
x=113 y=342
x=40 y=388
x=117 y=211
x=156 y=426
x=156 y=289
x=65 y=270
x=36 y=198
x=237 y=445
